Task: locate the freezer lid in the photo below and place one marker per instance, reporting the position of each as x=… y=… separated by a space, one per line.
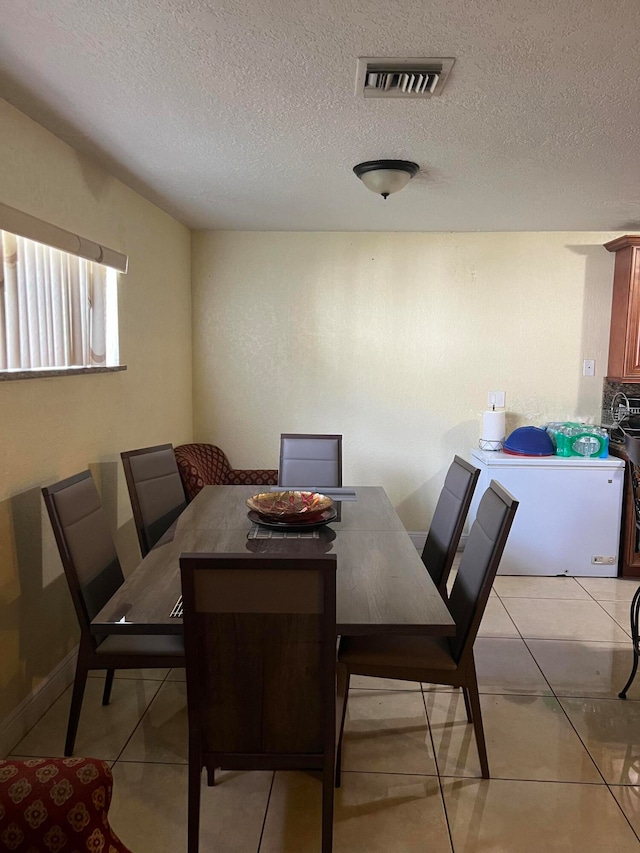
x=498 y=459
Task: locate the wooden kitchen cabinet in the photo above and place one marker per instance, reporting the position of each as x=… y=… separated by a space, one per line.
x=624 y=341
x=629 y=557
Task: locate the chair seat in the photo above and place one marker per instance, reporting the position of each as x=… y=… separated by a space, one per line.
x=142 y=644
x=396 y=651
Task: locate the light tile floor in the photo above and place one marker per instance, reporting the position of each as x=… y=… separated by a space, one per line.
x=564 y=751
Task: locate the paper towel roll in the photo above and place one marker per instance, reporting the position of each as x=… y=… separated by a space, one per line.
x=493 y=425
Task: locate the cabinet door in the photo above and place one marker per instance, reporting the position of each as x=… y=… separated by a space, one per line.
x=624 y=339
x=632 y=342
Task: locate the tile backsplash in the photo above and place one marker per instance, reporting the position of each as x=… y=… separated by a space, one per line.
x=609 y=389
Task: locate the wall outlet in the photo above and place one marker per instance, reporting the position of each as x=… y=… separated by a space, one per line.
x=603 y=561
x=589 y=367
x=496 y=399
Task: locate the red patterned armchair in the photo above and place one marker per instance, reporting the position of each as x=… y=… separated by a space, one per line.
x=56 y=805
x=206 y=465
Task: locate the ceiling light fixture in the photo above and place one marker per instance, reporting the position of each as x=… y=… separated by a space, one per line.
x=386 y=176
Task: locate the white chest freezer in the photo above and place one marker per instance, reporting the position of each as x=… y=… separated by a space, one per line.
x=568 y=520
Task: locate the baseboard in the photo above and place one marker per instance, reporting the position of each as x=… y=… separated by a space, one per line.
x=418 y=537
x=14 y=727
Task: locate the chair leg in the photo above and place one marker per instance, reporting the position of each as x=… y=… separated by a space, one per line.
x=193 y=813
x=108 y=684
x=76 y=702
x=474 y=701
x=633 y=618
x=467 y=704
x=634 y=669
x=344 y=677
x=211 y=776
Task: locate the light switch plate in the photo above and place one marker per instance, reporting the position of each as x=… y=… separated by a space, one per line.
x=589 y=367
x=497 y=399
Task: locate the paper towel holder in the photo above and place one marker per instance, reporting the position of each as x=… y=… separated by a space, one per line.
x=488 y=444
x=492 y=435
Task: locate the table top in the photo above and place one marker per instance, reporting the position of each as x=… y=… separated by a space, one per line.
x=381 y=584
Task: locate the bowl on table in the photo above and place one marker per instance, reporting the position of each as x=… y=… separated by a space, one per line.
x=290 y=506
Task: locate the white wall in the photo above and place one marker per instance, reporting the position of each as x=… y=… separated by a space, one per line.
x=53 y=428
x=394 y=341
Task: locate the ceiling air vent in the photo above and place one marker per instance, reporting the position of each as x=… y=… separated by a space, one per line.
x=401 y=78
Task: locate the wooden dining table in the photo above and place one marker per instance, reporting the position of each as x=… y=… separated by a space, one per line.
x=382 y=585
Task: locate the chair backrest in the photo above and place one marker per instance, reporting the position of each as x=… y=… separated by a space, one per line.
x=155 y=489
x=260 y=636
x=201 y=465
x=448 y=520
x=478 y=566
x=85 y=543
x=310 y=460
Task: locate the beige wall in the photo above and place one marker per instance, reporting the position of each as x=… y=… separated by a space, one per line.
x=393 y=340
x=52 y=428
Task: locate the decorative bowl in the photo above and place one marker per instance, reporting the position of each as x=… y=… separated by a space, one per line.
x=294 y=506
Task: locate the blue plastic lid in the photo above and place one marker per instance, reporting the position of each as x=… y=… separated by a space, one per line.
x=529 y=441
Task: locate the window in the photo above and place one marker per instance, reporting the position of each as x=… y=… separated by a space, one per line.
x=57 y=310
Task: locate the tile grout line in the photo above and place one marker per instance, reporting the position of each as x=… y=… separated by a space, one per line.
x=595 y=601
x=509 y=615
x=624 y=814
x=555 y=696
x=577 y=733
x=628 y=628
x=607 y=785
x=266 y=810
x=526 y=645
x=435 y=761
x=140 y=719
x=558 y=700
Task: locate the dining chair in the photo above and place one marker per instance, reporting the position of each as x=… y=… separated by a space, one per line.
x=56 y=804
x=632 y=449
x=93 y=574
x=155 y=490
x=448 y=521
x=260 y=644
x=436 y=660
x=311 y=461
x=203 y=465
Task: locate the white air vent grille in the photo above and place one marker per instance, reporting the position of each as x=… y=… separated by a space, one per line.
x=401 y=78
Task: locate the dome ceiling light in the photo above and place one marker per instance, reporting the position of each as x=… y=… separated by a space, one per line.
x=386 y=176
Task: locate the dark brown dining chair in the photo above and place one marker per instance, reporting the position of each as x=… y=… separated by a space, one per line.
x=448 y=521
x=260 y=646
x=310 y=461
x=442 y=660
x=93 y=574
x=156 y=491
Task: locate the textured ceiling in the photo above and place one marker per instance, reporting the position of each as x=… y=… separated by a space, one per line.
x=241 y=114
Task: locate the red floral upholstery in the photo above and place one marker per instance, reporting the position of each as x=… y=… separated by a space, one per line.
x=206 y=465
x=56 y=805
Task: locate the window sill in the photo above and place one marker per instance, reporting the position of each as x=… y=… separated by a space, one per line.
x=46 y=372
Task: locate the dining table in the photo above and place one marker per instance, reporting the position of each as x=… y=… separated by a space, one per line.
x=382 y=586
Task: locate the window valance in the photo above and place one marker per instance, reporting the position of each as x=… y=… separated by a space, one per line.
x=25 y=225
